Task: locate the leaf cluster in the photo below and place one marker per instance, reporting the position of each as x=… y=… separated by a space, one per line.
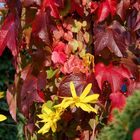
x=54 y=42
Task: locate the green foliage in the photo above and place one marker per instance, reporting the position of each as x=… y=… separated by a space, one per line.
x=7 y=70
x=125 y=122
x=8 y=128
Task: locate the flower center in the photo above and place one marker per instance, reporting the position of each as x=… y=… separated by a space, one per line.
x=76 y=99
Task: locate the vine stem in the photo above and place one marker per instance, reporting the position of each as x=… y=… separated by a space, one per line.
x=93 y=132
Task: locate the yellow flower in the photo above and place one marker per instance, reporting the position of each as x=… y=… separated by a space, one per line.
x=2 y=117
x=82 y=102
x=50 y=118
x=1 y=95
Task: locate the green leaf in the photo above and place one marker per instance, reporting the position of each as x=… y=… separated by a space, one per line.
x=92 y=122
x=77 y=26
x=51 y=73
x=71 y=130
x=49 y=104
x=75 y=44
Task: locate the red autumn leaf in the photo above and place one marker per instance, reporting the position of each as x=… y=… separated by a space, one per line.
x=58 y=54
x=26 y=71
x=80 y=81
x=31 y=88
x=73 y=65
x=61 y=3
x=76 y=6
x=103 y=11
x=41 y=95
x=118 y=101
x=8 y=34
x=41 y=58
x=41 y=26
x=93 y=6
x=12 y=102
x=122 y=7
x=29 y=94
x=105 y=8
x=111 y=38
x=136 y=4
x=115 y=75
x=29 y=127
x=41 y=80
x=136 y=134
x=53 y=7
x=137 y=23
x=31 y=2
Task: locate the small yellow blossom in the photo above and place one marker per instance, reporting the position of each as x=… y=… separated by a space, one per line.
x=1 y=95
x=82 y=102
x=50 y=118
x=2 y=117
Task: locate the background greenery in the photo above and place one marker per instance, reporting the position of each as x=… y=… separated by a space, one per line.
x=125 y=123
x=8 y=128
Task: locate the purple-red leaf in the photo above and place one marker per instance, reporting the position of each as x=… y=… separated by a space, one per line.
x=110 y=38
x=31 y=2
x=29 y=94
x=41 y=26
x=122 y=7
x=137 y=23
x=12 y=102
x=80 y=81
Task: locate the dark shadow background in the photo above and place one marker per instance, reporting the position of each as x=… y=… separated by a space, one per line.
x=8 y=128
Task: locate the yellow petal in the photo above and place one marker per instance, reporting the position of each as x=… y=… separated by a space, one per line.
x=1 y=95
x=86 y=91
x=91 y=98
x=86 y=107
x=45 y=109
x=73 y=91
x=59 y=111
x=45 y=128
x=2 y=118
x=67 y=103
x=45 y=118
x=54 y=127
